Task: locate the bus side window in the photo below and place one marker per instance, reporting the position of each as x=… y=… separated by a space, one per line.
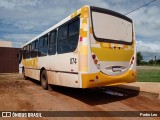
x=62 y=36
x=34 y=49
x=73 y=34
x=74 y=27
x=69 y=42
x=52 y=43
x=63 y=32
x=28 y=51
x=43 y=46
x=36 y=45
x=24 y=51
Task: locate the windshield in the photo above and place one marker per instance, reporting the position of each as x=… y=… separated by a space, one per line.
x=111 y=28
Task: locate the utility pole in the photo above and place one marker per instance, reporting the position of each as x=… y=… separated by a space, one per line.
x=155 y=60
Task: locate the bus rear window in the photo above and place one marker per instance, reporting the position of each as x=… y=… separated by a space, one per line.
x=111 y=28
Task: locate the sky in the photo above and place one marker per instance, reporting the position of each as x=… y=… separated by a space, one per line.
x=22 y=20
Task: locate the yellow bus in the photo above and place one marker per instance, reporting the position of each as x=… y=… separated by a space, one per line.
x=92 y=47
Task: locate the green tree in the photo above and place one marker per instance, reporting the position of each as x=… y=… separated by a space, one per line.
x=139 y=58
x=158 y=61
x=151 y=62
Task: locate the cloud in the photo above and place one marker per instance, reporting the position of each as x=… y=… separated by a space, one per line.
x=150 y=47
x=16 y=4
x=98 y=3
x=21 y=20
x=150 y=56
x=147 y=23
x=18 y=39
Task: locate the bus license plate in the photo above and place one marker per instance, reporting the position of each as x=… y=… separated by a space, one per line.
x=116 y=69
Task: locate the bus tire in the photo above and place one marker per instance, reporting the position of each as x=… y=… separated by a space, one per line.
x=24 y=76
x=44 y=80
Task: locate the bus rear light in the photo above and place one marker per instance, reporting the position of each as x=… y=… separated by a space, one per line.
x=94 y=57
x=96 y=77
x=96 y=61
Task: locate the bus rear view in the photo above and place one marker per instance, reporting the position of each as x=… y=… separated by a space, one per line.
x=92 y=47
x=112 y=47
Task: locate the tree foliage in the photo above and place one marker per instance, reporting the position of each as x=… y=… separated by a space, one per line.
x=139 y=58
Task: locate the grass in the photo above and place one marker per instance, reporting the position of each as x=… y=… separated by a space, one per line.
x=149 y=73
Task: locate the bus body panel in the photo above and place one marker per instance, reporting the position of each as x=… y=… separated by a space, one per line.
x=62 y=69
x=101 y=79
x=91 y=64
x=33 y=73
x=106 y=56
x=63 y=79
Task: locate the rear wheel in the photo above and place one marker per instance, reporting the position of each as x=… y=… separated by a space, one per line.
x=44 y=80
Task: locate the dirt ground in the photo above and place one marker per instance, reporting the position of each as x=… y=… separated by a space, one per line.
x=17 y=94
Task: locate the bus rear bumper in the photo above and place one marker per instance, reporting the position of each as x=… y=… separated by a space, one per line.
x=101 y=79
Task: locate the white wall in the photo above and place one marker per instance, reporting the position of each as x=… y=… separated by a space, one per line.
x=5 y=43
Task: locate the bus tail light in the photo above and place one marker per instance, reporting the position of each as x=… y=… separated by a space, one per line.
x=94 y=56
x=95 y=59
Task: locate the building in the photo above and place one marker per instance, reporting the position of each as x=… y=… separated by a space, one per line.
x=8 y=58
x=5 y=44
